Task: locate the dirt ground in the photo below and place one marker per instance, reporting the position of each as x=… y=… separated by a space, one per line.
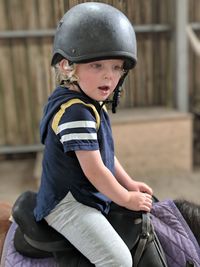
x=16 y=176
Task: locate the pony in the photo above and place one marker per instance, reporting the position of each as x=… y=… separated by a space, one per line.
x=179 y=216
x=5 y=212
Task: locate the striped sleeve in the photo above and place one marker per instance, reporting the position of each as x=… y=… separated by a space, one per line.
x=77 y=129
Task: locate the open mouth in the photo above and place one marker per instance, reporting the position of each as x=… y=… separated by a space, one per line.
x=104 y=88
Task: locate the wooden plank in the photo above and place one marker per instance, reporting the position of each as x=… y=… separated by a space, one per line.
x=148 y=94
x=23 y=100
x=191 y=57
x=9 y=129
x=2 y=62
x=169 y=59
x=35 y=68
x=59 y=8
x=46 y=45
x=161 y=66
x=196 y=86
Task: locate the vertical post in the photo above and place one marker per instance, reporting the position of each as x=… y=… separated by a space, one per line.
x=181 y=56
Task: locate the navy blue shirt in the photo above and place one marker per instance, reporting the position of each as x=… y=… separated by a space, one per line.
x=64 y=130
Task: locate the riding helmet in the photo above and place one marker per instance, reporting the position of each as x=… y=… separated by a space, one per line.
x=94 y=31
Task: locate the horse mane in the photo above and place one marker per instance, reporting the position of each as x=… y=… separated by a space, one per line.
x=191 y=213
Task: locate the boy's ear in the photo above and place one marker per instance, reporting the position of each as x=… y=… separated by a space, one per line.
x=64 y=64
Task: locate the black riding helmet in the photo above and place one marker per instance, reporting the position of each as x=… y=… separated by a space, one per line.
x=95 y=31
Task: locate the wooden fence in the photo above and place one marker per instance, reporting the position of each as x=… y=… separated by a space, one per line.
x=194 y=63
x=26 y=78
x=194 y=83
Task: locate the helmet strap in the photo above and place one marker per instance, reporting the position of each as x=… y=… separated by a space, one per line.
x=117 y=93
x=77 y=84
x=116 y=97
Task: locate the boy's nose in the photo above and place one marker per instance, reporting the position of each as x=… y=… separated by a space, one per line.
x=108 y=73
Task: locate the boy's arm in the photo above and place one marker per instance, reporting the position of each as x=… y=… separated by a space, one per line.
x=104 y=181
x=125 y=180
x=101 y=177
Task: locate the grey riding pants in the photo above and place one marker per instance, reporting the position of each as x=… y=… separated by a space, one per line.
x=90 y=232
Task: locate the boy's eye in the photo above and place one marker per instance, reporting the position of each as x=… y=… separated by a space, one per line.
x=118 y=68
x=96 y=65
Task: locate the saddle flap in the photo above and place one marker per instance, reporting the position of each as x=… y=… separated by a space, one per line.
x=22 y=213
x=26 y=249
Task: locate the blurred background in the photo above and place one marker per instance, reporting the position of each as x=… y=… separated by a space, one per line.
x=157 y=125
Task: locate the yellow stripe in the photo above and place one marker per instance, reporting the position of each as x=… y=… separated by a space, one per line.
x=105 y=108
x=68 y=104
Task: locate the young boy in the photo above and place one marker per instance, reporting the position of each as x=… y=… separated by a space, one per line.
x=94 y=48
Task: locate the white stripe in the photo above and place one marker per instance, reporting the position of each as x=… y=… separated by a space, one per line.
x=78 y=136
x=76 y=124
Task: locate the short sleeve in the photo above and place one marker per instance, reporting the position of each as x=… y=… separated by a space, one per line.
x=77 y=129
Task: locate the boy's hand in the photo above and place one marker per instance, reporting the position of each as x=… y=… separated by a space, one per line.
x=144 y=188
x=141 y=187
x=139 y=201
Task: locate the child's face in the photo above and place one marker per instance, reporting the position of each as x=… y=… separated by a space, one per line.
x=98 y=79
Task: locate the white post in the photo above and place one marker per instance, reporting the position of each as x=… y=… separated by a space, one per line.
x=181 y=56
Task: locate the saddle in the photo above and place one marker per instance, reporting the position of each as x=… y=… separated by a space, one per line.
x=39 y=240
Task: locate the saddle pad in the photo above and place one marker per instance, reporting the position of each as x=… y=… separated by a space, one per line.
x=11 y=258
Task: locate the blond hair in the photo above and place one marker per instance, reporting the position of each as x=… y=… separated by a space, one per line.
x=65 y=79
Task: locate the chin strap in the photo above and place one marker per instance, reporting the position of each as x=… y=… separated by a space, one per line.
x=117 y=93
x=116 y=97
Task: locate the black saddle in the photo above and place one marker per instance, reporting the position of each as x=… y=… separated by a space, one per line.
x=39 y=240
